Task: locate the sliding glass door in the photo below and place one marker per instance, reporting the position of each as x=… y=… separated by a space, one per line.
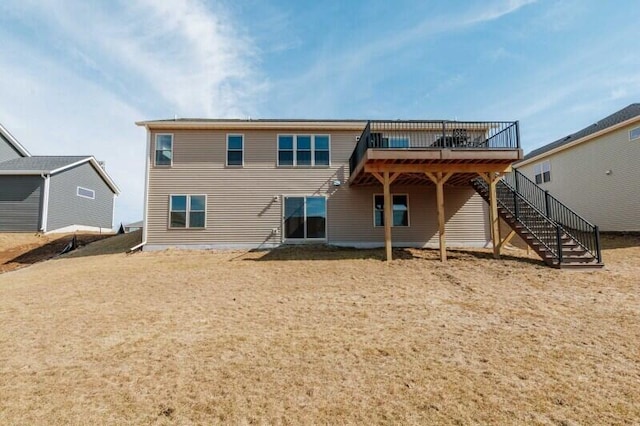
x=305 y=218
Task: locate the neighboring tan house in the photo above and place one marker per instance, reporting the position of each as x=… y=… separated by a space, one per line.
x=52 y=193
x=262 y=183
x=595 y=170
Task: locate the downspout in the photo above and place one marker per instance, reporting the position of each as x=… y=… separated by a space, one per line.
x=45 y=202
x=113 y=211
x=146 y=193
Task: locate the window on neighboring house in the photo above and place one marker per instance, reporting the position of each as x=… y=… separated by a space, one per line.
x=400 y=209
x=303 y=150
x=542 y=172
x=634 y=134
x=86 y=193
x=164 y=149
x=235 y=148
x=187 y=211
x=305 y=218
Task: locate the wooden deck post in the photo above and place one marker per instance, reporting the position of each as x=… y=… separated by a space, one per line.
x=441 y=219
x=493 y=214
x=439 y=179
x=388 y=219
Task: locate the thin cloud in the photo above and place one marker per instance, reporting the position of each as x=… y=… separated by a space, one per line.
x=77 y=74
x=343 y=67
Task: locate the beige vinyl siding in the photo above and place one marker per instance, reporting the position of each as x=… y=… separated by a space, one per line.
x=352 y=220
x=579 y=180
x=242 y=209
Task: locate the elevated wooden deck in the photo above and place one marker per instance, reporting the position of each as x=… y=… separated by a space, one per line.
x=412 y=164
x=435 y=153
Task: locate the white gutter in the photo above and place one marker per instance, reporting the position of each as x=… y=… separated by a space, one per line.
x=45 y=202
x=14 y=142
x=146 y=193
x=302 y=125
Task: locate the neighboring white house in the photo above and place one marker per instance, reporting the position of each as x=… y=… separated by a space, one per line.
x=595 y=171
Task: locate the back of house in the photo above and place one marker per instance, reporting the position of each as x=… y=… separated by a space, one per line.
x=261 y=183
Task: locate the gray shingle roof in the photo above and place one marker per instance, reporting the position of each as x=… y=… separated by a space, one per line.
x=617 y=117
x=40 y=163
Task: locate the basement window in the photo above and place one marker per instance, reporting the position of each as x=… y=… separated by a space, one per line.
x=86 y=193
x=399 y=211
x=634 y=134
x=187 y=211
x=542 y=172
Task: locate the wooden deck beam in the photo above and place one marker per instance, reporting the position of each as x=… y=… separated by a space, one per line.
x=437 y=167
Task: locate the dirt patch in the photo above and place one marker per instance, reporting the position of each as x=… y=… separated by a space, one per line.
x=20 y=250
x=320 y=336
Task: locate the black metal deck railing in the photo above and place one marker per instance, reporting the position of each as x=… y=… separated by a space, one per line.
x=423 y=135
x=583 y=232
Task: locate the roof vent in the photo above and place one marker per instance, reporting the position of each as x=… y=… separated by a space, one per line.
x=102 y=165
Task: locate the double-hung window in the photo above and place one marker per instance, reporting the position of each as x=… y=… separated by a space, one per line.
x=187 y=211
x=399 y=211
x=235 y=150
x=164 y=150
x=305 y=218
x=542 y=172
x=304 y=150
x=634 y=134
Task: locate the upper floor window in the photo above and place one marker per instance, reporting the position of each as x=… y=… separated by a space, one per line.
x=542 y=172
x=164 y=149
x=86 y=193
x=187 y=211
x=634 y=134
x=235 y=150
x=303 y=150
x=399 y=210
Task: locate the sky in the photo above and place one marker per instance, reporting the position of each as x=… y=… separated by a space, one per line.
x=76 y=75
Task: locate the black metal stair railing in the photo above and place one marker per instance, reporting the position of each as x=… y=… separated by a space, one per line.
x=584 y=233
x=541 y=228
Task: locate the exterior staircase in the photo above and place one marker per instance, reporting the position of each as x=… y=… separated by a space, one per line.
x=560 y=236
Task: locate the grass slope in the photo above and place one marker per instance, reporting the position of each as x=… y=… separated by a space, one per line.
x=180 y=337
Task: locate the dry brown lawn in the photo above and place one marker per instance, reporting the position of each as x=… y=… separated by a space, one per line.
x=180 y=337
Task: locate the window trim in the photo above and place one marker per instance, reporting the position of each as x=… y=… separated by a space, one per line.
x=295 y=150
x=406 y=194
x=539 y=170
x=234 y=150
x=78 y=188
x=305 y=239
x=631 y=131
x=187 y=211
x=155 y=150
